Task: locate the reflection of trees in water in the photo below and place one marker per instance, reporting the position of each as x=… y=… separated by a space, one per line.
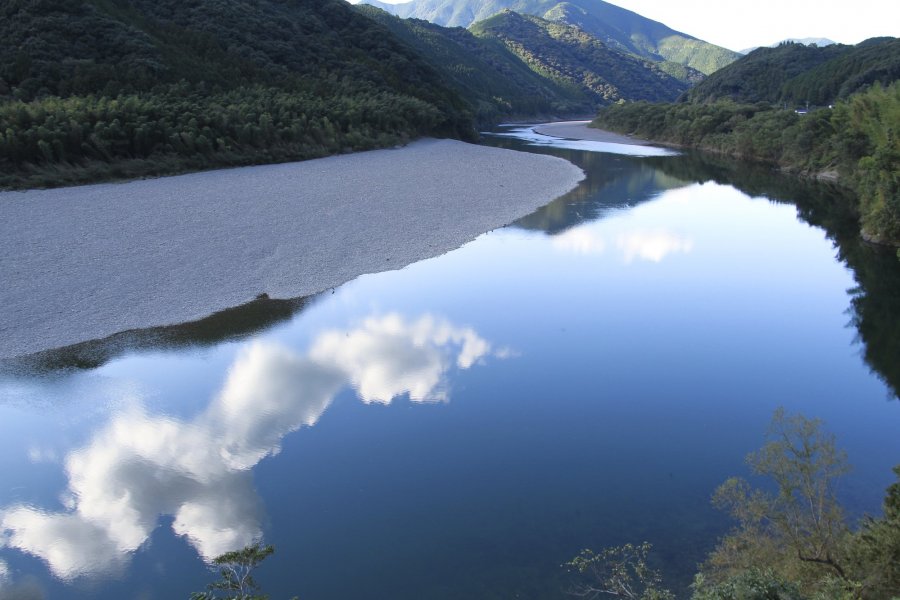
x=225 y=325
x=612 y=182
x=875 y=302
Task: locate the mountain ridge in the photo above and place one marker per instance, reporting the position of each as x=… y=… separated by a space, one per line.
x=613 y=25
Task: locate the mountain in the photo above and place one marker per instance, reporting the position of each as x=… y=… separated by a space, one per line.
x=133 y=87
x=820 y=42
x=575 y=59
x=796 y=73
x=615 y=26
x=490 y=77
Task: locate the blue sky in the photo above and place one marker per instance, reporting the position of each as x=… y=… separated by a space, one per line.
x=739 y=24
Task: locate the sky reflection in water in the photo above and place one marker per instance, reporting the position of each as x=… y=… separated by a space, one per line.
x=141 y=466
x=633 y=339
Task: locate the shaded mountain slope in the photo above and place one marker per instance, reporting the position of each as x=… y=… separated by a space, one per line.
x=575 y=59
x=797 y=73
x=113 y=88
x=615 y=26
x=484 y=71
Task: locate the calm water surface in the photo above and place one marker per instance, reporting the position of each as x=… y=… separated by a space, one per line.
x=461 y=427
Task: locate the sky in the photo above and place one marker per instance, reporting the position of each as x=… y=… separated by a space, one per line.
x=744 y=24
x=740 y=24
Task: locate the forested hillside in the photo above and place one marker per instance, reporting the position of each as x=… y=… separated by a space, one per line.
x=494 y=80
x=855 y=141
x=617 y=27
x=576 y=60
x=108 y=88
x=796 y=74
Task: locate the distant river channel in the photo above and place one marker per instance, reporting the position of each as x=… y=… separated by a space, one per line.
x=461 y=427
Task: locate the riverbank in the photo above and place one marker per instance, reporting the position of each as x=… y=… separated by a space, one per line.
x=84 y=263
x=580 y=130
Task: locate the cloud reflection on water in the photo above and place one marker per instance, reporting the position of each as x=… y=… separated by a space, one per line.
x=141 y=466
x=647 y=245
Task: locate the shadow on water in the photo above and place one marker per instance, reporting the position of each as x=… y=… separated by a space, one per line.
x=618 y=182
x=612 y=183
x=875 y=301
x=229 y=324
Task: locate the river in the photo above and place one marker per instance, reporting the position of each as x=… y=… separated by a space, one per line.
x=460 y=427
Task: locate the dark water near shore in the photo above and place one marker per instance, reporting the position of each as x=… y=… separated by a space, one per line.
x=461 y=427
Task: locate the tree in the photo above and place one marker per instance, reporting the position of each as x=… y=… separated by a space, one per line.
x=236 y=571
x=876 y=549
x=620 y=571
x=799 y=531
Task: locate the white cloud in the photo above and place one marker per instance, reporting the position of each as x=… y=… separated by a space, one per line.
x=387 y=356
x=141 y=466
x=69 y=544
x=580 y=240
x=651 y=246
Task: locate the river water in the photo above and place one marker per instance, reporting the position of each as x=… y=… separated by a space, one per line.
x=461 y=427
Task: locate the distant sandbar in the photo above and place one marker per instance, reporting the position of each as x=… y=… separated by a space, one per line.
x=579 y=130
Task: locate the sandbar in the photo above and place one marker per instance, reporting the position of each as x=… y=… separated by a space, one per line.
x=82 y=263
x=579 y=130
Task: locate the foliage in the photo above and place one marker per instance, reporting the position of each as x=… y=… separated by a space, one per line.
x=105 y=88
x=577 y=60
x=752 y=584
x=799 y=532
x=797 y=74
x=236 y=572
x=790 y=544
x=620 y=571
x=494 y=81
x=616 y=27
x=875 y=552
x=857 y=141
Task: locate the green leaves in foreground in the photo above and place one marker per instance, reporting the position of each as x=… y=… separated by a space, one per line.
x=620 y=571
x=791 y=543
x=236 y=571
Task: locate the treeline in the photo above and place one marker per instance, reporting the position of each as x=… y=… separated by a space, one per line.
x=858 y=141
x=57 y=141
x=797 y=75
x=94 y=89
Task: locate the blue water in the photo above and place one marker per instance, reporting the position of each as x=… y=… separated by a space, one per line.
x=461 y=427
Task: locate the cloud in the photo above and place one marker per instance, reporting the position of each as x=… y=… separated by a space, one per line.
x=580 y=240
x=651 y=246
x=140 y=466
x=387 y=356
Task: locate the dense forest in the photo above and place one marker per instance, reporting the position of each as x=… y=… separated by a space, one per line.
x=101 y=89
x=854 y=142
x=681 y=55
x=493 y=80
x=577 y=60
x=797 y=74
x=97 y=89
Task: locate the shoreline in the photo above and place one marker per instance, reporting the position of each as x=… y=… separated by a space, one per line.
x=579 y=130
x=83 y=263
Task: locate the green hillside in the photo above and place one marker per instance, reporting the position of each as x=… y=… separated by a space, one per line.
x=796 y=74
x=615 y=26
x=853 y=143
x=577 y=60
x=113 y=88
x=495 y=82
